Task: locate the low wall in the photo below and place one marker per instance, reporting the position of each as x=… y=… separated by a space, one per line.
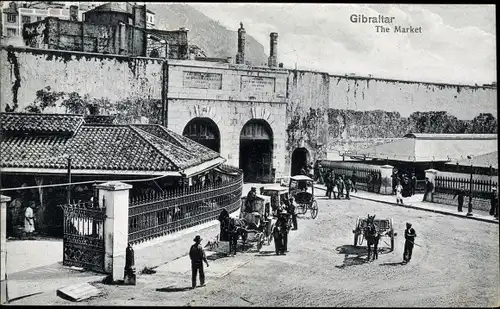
x=477 y=203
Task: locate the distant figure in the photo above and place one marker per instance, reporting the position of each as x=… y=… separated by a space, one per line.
x=409 y=242
x=251 y=197
x=348 y=185
x=29 y=221
x=460 y=193
x=413 y=184
x=429 y=186
x=494 y=203
x=291 y=210
x=354 y=181
x=197 y=255
x=399 y=193
x=224 y=233
x=341 y=186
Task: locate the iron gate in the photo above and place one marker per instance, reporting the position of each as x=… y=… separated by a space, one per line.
x=83 y=244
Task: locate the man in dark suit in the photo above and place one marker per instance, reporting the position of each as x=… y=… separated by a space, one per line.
x=197 y=255
x=410 y=235
x=461 y=194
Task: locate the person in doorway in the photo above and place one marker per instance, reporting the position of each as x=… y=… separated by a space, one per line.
x=29 y=220
x=410 y=235
x=413 y=184
x=291 y=211
x=399 y=193
x=429 y=187
x=197 y=256
x=461 y=194
x=494 y=203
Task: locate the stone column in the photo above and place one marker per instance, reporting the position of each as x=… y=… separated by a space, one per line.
x=3 y=200
x=114 y=196
x=386 y=180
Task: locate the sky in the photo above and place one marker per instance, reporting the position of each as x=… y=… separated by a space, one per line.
x=457 y=43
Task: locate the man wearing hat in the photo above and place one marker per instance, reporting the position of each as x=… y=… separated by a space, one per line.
x=197 y=255
x=409 y=242
x=494 y=203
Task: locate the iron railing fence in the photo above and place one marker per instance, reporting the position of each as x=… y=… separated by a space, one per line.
x=156 y=215
x=480 y=188
x=367 y=179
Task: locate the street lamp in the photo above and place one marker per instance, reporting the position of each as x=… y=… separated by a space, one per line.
x=469 y=210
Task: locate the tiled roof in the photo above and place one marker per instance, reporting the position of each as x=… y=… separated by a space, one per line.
x=201 y=151
x=122 y=7
x=40 y=123
x=105 y=148
x=484 y=160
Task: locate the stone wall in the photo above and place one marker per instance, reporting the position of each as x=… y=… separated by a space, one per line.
x=132 y=86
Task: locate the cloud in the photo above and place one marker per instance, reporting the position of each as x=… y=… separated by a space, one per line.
x=322 y=37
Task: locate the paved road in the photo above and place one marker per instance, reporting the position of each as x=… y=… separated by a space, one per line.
x=456 y=265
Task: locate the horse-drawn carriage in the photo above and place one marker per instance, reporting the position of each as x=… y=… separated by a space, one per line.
x=301 y=188
x=372 y=229
x=256 y=218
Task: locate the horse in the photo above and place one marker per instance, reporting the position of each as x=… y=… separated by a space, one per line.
x=372 y=237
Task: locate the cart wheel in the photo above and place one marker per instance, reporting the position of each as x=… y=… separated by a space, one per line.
x=314 y=209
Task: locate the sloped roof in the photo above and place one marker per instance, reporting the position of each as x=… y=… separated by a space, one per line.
x=485 y=160
x=25 y=123
x=105 y=148
x=431 y=147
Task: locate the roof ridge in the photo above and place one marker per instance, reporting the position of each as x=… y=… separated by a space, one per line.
x=141 y=134
x=41 y=114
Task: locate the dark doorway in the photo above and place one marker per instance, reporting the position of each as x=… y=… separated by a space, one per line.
x=203 y=131
x=300 y=158
x=256 y=149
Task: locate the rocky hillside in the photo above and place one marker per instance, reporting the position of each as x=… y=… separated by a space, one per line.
x=209 y=35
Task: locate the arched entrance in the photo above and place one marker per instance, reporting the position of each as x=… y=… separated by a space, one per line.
x=300 y=158
x=203 y=131
x=256 y=149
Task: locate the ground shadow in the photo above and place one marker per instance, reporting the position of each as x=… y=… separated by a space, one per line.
x=266 y=253
x=174 y=289
x=217 y=255
x=356 y=255
x=392 y=264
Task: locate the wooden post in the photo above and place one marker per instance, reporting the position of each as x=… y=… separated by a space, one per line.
x=68 y=192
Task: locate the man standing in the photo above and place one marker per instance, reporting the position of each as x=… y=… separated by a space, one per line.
x=494 y=203
x=410 y=235
x=291 y=210
x=233 y=236
x=354 y=180
x=460 y=193
x=348 y=185
x=197 y=255
x=413 y=184
x=429 y=186
x=29 y=222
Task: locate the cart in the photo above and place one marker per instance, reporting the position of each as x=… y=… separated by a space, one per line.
x=384 y=227
x=258 y=219
x=302 y=190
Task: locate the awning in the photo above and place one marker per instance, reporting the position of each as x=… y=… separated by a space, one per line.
x=203 y=167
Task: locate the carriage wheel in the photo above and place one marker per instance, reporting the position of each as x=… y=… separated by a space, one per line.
x=392 y=236
x=314 y=209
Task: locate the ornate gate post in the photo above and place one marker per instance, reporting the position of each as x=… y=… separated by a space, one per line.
x=114 y=195
x=3 y=200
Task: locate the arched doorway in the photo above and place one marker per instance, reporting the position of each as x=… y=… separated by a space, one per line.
x=256 y=149
x=203 y=131
x=300 y=158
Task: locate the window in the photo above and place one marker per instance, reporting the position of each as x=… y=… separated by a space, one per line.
x=26 y=19
x=38 y=18
x=11 y=18
x=11 y=32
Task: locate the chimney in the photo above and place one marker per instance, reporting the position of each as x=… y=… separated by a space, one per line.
x=73 y=13
x=240 y=56
x=139 y=16
x=273 y=53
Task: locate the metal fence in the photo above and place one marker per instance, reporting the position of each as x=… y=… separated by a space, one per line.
x=153 y=216
x=480 y=188
x=367 y=179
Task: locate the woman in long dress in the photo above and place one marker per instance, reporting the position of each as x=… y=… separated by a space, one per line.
x=29 y=222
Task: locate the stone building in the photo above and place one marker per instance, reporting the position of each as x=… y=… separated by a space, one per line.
x=118 y=28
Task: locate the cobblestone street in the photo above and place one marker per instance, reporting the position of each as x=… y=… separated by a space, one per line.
x=455 y=264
